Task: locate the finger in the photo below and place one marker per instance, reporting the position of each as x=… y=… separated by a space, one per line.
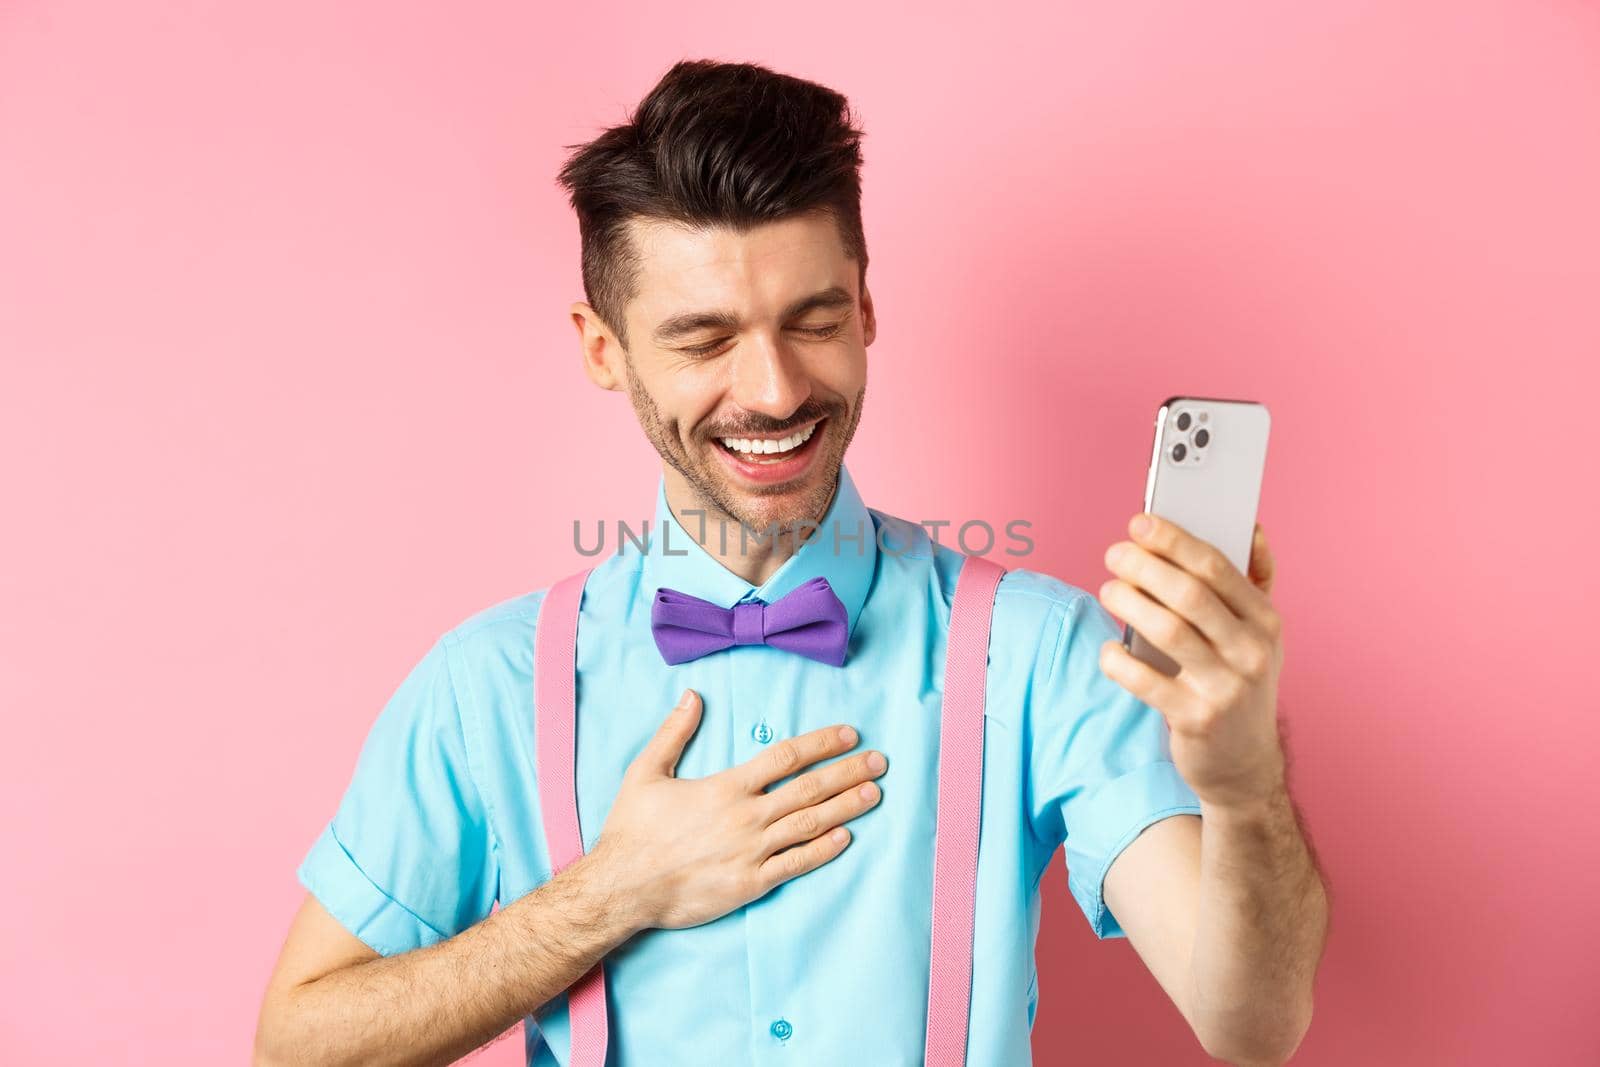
x=661 y=753
x=791 y=754
x=807 y=823
x=824 y=782
x=793 y=862
x=1161 y=628
x=1205 y=561
x=1262 y=565
x=1181 y=592
x=1144 y=681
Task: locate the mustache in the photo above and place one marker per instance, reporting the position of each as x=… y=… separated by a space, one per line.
x=754 y=423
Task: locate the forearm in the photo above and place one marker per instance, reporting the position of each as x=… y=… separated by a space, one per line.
x=434 y=1005
x=1262 y=924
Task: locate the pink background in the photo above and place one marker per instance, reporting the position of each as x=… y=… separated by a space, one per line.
x=289 y=389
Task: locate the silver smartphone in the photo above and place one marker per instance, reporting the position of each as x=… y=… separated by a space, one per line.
x=1205 y=475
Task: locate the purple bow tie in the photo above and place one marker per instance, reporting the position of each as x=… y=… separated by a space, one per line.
x=810 y=619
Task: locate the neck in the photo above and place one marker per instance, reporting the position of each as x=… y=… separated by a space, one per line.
x=752 y=553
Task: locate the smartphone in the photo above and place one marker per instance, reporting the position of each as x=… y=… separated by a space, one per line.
x=1205 y=475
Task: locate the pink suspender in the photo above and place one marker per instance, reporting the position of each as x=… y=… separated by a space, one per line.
x=955 y=840
x=955 y=856
x=555 y=718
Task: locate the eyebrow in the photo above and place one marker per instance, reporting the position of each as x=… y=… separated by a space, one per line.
x=690 y=321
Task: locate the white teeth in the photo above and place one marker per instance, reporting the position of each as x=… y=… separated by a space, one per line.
x=768 y=447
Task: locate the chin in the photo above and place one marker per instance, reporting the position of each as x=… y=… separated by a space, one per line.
x=800 y=500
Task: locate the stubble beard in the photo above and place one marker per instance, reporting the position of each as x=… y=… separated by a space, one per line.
x=711 y=486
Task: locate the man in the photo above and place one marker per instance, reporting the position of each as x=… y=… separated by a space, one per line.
x=737 y=916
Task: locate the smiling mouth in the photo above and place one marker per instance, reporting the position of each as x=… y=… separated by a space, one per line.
x=763 y=451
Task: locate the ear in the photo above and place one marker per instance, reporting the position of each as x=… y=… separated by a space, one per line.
x=602 y=354
x=869 y=320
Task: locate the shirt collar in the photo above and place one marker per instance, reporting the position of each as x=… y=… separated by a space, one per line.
x=843 y=549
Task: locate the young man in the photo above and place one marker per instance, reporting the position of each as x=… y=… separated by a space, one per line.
x=734 y=914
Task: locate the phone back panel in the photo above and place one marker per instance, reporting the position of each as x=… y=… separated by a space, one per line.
x=1214 y=489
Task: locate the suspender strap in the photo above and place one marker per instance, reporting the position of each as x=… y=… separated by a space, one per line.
x=955 y=848
x=555 y=727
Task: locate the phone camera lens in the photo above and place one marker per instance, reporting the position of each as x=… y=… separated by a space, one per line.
x=1178 y=452
x=1202 y=438
x=1183 y=420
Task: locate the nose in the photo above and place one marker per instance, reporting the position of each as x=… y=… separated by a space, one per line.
x=768 y=379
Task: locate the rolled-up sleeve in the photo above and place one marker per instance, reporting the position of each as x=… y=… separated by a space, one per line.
x=1100 y=763
x=407 y=859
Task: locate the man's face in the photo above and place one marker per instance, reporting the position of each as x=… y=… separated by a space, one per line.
x=747 y=365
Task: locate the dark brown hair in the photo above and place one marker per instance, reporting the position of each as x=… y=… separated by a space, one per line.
x=713 y=144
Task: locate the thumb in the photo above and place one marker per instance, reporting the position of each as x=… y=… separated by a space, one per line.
x=660 y=755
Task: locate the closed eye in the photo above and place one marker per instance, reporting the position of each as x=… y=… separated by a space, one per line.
x=821 y=333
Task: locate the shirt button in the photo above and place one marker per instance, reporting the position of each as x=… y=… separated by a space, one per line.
x=763 y=734
x=781 y=1029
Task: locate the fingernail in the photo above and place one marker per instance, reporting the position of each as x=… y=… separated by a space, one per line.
x=683 y=701
x=839 y=834
x=876 y=761
x=847 y=735
x=868 y=791
x=1141 y=525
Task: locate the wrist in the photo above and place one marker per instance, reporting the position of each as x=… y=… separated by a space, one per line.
x=610 y=905
x=1256 y=807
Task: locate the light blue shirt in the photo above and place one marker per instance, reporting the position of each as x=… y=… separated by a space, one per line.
x=442 y=816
